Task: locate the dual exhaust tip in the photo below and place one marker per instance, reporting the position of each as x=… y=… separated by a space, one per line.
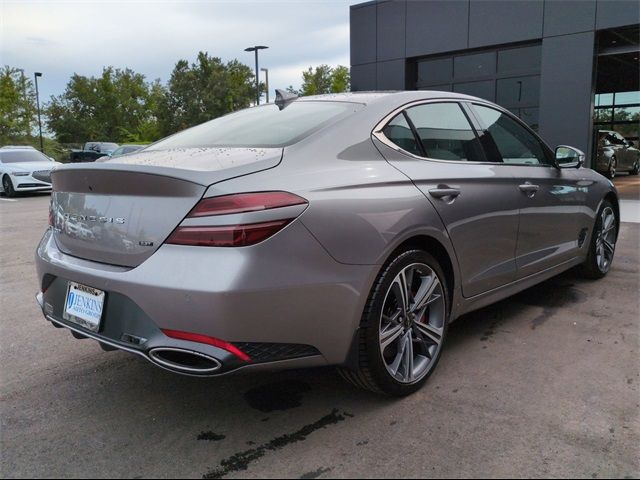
x=184 y=361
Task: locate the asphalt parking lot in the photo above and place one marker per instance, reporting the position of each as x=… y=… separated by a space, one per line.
x=543 y=384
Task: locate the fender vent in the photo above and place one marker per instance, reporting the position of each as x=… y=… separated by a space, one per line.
x=272 y=352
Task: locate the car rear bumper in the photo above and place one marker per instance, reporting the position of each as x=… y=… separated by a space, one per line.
x=285 y=302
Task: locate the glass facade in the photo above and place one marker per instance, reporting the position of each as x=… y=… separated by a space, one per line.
x=619 y=112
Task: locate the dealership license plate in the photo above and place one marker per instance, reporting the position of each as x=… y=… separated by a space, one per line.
x=83 y=306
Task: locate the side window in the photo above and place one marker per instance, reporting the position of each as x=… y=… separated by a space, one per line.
x=514 y=144
x=399 y=132
x=445 y=132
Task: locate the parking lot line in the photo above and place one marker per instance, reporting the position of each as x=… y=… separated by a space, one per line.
x=8 y=199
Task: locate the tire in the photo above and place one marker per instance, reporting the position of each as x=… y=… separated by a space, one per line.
x=611 y=171
x=7 y=186
x=417 y=332
x=601 y=250
x=636 y=168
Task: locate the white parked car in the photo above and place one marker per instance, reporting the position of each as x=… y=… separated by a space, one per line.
x=24 y=169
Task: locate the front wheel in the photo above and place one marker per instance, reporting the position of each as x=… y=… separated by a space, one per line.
x=603 y=243
x=636 y=168
x=7 y=186
x=403 y=326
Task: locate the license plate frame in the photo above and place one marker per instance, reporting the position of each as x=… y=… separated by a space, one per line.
x=84 y=306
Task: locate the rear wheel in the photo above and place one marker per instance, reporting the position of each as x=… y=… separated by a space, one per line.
x=636 y=168
x=403 y=326
x=603 y=243
x=7 y=186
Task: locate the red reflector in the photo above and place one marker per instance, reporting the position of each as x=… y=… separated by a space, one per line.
x=214 y=342
x=245 y=202
x=226 y=236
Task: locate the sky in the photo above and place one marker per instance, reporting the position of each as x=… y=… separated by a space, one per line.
x=63 y=37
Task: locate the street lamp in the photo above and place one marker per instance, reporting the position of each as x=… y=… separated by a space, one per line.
x=36 y=75
x=255 y=49
x=266 y=76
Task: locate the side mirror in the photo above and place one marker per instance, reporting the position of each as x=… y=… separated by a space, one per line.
x=569 y=157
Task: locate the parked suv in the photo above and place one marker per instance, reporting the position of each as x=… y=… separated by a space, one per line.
x=616 y=154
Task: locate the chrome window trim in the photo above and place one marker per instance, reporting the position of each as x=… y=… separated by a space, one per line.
x=380 y=136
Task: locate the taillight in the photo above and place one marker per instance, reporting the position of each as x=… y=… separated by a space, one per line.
x=215 y=342
x=244 y=202
x=226 y=236
x=235 y=235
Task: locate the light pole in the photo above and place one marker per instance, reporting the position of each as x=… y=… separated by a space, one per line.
x=266 y=81
x=255 y=49
x=36 y=75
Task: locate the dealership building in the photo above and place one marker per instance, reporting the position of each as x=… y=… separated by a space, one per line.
x=566 y=67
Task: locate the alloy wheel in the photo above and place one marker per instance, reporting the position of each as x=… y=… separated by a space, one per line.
x=606 y=239
x=412 y=323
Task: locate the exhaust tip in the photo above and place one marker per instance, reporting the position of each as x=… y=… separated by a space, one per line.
x=185 y=361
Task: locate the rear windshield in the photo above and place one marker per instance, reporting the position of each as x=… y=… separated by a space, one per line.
x=265 y=126
x=20 y=156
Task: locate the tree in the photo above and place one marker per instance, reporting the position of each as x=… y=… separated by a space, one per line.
x=340 y=79
x=205 y=90
x=17 y=105
x=113 y=107
x=325 y=79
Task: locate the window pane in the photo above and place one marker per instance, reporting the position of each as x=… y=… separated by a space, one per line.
x=519 y=91
x=433 y=72
x=485 y=89
x=514 y=143
x=530 y=117
x=399 y=132
x=515 y=60
x=602 y=115
x=627 y=98
x=474 y=66
x=604 y=99
x=445 y=132
x=626 y=114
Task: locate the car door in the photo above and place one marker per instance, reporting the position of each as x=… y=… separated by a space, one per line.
x=435 y=145
x=553 y=218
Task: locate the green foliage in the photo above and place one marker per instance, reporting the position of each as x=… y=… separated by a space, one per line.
x=17 y=105
x=324 y=79
x=122 y=106
x=340 y=79
x=112 y=107
x=205 y=90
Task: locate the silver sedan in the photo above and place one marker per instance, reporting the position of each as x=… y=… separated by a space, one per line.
x=345 y=230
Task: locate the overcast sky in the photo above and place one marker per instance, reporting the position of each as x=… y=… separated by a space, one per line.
x=63 y=37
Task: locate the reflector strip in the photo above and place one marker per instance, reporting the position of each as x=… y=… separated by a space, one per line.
x=214 y=342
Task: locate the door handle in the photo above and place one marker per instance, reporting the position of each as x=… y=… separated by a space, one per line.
x=529 y=188
x=444 y=192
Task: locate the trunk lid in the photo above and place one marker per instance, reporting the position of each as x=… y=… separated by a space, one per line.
x=120 y=212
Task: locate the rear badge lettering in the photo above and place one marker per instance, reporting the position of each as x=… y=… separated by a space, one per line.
x=145 y=244
x=92 y=218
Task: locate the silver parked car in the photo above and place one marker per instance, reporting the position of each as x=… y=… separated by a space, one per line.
x=345 y=230
x=616 y=154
